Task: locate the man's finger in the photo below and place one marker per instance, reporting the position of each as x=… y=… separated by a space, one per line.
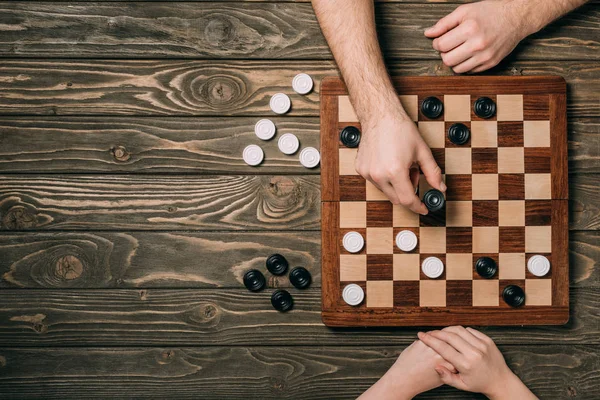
x=451 y=40
x=467 y=336
x=431 y=170
x=457 y=56
x=450 y=21
x=387 y=189
x=447 y=352
x=480 y=335
x=467 y=66
x=454 y=340
x=450 y=379
x=406 y=193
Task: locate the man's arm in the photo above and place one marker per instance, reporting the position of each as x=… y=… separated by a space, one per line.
x=391 y=147
x=476 y=37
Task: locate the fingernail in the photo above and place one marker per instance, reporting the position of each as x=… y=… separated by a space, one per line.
x=443 y=186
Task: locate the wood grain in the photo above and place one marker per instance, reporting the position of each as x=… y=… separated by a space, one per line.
x=217 y=88
x=218 y=30
x=208 y=317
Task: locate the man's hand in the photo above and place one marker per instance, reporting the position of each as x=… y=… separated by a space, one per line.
x=476 y=37
x=390 y=154
x=479 y=364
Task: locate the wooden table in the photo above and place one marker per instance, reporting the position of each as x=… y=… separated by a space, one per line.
x=128 y=216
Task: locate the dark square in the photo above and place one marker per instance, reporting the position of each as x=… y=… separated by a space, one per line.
x=529 y=275
x=437 y=218
x=406 y=293
x=511 y=186
x=484 y=161
x=361 y=306
x=459 y=293
x=493 y=256
x=380 y=267
x=504 y=283
x=447 y=141
x=352 y=188
x=424 y=277
x=343 y=231
x=379 y=214
x=459 y=187
x=423 y=97
x=459 y=240
x=397 y=230
x=537 y=160
x=512 y=239
x=536 y=107
x=485 y=213
x=510 y=133
x=538 y=212
x=341 y=126
x=439 y=155
x=474 y=98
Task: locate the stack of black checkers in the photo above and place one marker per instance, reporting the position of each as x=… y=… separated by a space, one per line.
x=282 y=300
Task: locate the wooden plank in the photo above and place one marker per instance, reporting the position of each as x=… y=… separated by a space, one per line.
x=557 y=372
x=242 y=30
x=208 y=317
x=216 y=88
x=180 y=202
x=193 y=260
x=182 y=144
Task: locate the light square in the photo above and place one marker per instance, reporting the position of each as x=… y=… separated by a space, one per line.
x=511 y=265
x=459 y=266
x=403 y=217
x=380 y=240
x=432 y=240
x=346 y=161
x=374 y=194
x=511 y=213
x=353 y=214
x=458 y=161
x=538 y=186
x=538 y=292
x=486 y=239
x=353 y=267
x=406 y=267
x=345 y=110
x=510 y=107
x=536 y=133
x=538 y=239
x=484 y=134
x=484 y=186
x=457 y=108
x=433 y=132
x=411 y=106
x=380 y=294
x=511 y=160
x=486 y=293
x=459 y=213
x=432 y=293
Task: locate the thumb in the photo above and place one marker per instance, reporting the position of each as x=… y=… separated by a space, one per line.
x=450 y=379
x=445 y=24
x=431 y=171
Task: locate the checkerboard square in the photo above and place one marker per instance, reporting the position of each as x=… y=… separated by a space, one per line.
x=484 y=186
x=538 y=292
x=511 y=265
x=457 y=107
x=432 y=293
x=374 y=194
x=512 y=239
x=536 y=133
x=406 y=293
x=458 y=161
x=437 y=218
x=380 y=240
x=345 y=110
x=397 y=231
x=352 y=188
x=485 y=161
x=380 y=267
x=474 y=98
x=459 y=293
x=538 y=239
x=406 y=267
x=459 y=187
x=486 y=293
x=538 y=212
x=486 y=239
x=353 y=267
x=459 y=266
x=459 y=240
x=459 y=213
x=485 y=213
x=511 y=186
x=346 y=161
x=353 y=214
x=510 y=107
x=379 y=214
x=402 y=216
x=537 y=160
x=410 y=104
x=432 y=240
x=538 y=186
x=439 y=155
x=536 y=107
x=433 y=133
x=484 y=134
x=380 y=294
x=476 y=257
x=448 y=142
x=511 y=160
x=343 y=231
x=511 y=213
x=422 y=97
x=510 y=134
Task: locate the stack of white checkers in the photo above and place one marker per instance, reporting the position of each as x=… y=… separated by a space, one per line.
x=288 y=143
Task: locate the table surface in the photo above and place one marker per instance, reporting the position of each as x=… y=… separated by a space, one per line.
x=128 y=217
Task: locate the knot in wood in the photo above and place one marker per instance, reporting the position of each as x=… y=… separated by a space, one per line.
x=2 y=361
x=277 y=385
x=571 y=391
x=210 y=311
x=69 y=267
x=219 y=31
x=282 y=186
x=19 y=217
x=143 y=294
x=40 y=328
x=120 y=153
x=219 y=90
x=206 y=314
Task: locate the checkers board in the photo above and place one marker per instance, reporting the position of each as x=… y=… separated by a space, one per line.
x=506 y=200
